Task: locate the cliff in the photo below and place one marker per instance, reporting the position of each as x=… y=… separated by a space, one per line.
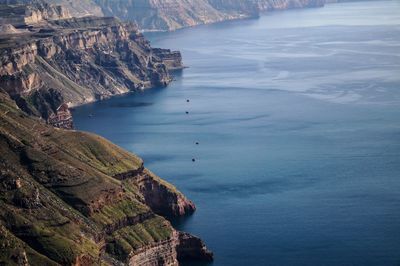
x=79 y=60
x=266 y=5
x=35 y=12
x=73 y=198
x=164 y=15
x=76 y=8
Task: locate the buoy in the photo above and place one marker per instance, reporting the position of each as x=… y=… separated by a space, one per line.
x=193 y=160
x=187 y=112
x=197 y=143
x=187 y=100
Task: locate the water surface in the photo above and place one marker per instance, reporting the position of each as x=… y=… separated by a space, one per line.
x=298 y=122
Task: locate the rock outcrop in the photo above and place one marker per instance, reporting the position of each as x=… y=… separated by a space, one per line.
x=32 y=13
x=75 y=8
x=192 y=248
x=73 y=198
x=181 y=247
x=8 y=29
x=157 y=194
x=79 y=60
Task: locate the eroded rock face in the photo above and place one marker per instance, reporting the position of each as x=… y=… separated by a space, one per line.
x=191 y=247
x=180 y=247
x=83 y=60
x=74 y=8
x=164 y=15
x=174 y=14
x=161 y=198
x=73 y=198
x=162 y=253
x=19 y=14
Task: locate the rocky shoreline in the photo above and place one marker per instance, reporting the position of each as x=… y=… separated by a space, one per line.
x=79 y=60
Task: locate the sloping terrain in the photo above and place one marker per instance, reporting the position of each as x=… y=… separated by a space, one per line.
x=73 y=198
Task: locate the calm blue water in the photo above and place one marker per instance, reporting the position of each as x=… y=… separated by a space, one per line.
x=298 y=119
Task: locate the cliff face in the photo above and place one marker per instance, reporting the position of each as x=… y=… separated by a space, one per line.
x=73 y=198
x=164 y=15
x=76 y=8
x=265 y=5
x=76 y=61
x=173 y=14
x=35 y=12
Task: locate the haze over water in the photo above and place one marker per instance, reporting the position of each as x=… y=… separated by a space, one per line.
x=298 y=119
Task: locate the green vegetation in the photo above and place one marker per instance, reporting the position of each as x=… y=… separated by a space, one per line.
x=97 y=152
x=134 y=237
x=59 y=201
x=13 y=251
x=119 y=211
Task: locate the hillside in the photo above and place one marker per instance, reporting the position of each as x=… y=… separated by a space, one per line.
x=73 y=198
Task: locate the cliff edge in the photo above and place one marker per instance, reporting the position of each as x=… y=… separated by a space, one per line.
x=57 y=64
x=167 y=15
x=73 y=198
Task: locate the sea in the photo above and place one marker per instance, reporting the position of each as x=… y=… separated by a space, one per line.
x=284 y=130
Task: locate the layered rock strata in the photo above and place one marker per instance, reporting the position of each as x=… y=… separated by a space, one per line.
x=63 y=201
x=166 y=15
x=35 y=12
x=79 y=60
x=76 y=8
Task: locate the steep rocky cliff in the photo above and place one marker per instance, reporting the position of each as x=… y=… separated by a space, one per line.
x=174 y=14
x=79 y=60
x=35 y=12
x=164 y=15
x=76 y=8
x=265 y=5
x=73 y=198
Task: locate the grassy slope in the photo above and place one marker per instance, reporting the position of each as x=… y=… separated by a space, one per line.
x=57 y=194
